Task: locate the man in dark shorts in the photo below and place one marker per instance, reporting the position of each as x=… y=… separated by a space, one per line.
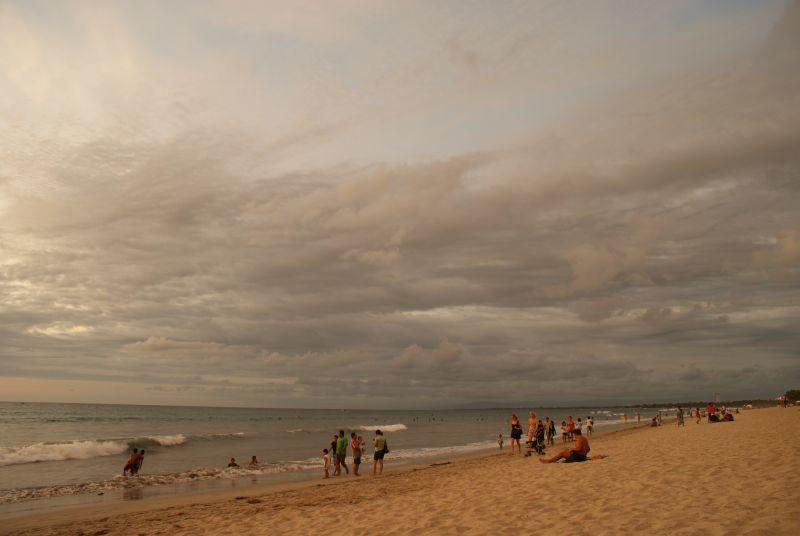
x=578 y=454
x=355 y=444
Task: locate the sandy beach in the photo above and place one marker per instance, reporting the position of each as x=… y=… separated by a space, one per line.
x=728 y=478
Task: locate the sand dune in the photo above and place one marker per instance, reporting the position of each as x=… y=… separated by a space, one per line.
x=736 y=478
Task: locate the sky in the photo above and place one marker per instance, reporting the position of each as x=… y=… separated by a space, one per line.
x=362 y=204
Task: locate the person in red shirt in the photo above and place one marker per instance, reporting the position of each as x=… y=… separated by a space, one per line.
x=570 y=429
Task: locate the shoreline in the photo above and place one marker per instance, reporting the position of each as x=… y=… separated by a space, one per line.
x=161 y=502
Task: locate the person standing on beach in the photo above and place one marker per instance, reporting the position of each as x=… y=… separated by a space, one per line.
x=341 y=453
x=552 y=431
x=355 y=444
x=381 y=449
x=570 y=428
x=332 y=453
x=589 y=426
x=500 y=441
x=326 y=463
x=547 y=430
x=564 y=434
x=532 y=422
x=638 y=418
x=697 y=415
x=679 y=416
x=516 y=433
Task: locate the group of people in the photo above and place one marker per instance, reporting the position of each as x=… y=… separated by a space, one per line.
x=715 y=414
x=337 y=453
x=541 y=433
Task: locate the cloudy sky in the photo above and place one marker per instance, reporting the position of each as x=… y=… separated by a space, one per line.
x=399 y=204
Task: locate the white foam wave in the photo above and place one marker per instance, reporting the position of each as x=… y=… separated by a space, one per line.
x=73 y=450
x=82 y=449
x=168 y=440
x=383 y=427
x=435 y=452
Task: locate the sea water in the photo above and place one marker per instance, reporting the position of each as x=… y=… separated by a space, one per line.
x=52 y=450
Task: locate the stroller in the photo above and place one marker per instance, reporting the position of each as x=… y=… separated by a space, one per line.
x=537 y=444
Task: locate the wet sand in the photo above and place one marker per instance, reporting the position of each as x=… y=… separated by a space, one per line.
x=728 y=478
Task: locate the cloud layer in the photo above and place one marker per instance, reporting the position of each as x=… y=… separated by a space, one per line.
x=618 y=233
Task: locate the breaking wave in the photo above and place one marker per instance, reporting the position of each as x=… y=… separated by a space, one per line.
x=85 y=449
x=47 y=452
x=383 y=427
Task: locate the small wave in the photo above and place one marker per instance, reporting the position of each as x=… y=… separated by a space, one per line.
x=73 y=450
x=169 y=440
x=383 y=427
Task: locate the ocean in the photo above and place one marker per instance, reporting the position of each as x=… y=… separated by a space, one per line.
x=76 y=451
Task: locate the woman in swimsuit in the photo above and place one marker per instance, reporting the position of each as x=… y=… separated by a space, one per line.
x=516 y=433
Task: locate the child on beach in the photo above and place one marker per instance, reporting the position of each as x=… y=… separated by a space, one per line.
x=564 y=435
x=500 y=441
x=326 y=462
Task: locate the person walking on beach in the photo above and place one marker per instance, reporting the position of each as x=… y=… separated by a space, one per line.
x=589 y=426
x=341 y=454
x=551 y=440
x=564 y=434
x=570 y=428
x=332 y=453
x=697 y=415
x=326 y=463
x=516 y=433
x=500 y=441
x=355 y=445
x=679 y=416
x=638 y=418
x=381 y=449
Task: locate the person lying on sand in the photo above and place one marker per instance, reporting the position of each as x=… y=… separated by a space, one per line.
x=579 y=454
